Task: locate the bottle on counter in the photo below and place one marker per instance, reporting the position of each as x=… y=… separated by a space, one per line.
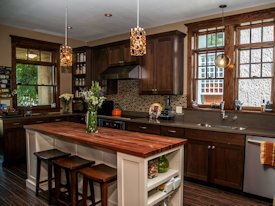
x=263 y=106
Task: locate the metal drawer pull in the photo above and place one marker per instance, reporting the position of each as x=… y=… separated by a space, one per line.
x=16 y=123
x=213 y=147
x=143 y=127
x=254 y=141
x=172 y=131
x=58 y=120
x=39 y=121
x=209 y=147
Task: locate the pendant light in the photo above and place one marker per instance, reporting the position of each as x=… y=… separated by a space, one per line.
x=137 y=38
x=66 y=54
x=222 y=60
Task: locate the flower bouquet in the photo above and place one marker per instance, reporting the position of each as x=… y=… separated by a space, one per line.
x=65 y=100
x=94 y=99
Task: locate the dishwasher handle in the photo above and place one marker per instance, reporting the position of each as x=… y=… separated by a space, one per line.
x=254 y=141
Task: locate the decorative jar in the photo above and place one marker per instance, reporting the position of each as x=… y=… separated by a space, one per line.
x=163 y=164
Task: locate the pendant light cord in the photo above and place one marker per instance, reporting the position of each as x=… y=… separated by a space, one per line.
x=66 y=26
x=222 y=17
x=137 y=13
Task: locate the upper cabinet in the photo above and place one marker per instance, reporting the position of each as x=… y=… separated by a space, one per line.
x=82 y=69
x=162 y=66
x=119 y=53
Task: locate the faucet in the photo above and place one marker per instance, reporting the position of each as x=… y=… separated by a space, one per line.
x=224 y=116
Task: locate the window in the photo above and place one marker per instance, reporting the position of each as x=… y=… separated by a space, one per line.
x=248 y=39
x=255 y=49
x=35 y=67
x=208 y=78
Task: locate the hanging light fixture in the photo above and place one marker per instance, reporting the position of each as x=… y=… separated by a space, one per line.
x=66 y=54
x=222 y=60
x=137 y=38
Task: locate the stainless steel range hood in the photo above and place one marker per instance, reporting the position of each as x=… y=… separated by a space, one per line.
x=121 y=72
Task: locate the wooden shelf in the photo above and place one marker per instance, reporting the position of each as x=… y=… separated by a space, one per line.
x=157 y=197
x=161 y=178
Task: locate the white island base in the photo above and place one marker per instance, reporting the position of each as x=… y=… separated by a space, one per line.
x=132 y=188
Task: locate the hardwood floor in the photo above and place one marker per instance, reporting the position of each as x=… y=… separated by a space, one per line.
x=13 y=192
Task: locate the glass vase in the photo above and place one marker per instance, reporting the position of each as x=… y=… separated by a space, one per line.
x=163 y=164
x=65 y=107
x=91 y=121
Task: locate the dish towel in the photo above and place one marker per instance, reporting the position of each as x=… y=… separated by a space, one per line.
x=267 y=154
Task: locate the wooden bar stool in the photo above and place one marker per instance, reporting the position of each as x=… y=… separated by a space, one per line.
x=47 y=156
x=71 y=165
x=101 y=174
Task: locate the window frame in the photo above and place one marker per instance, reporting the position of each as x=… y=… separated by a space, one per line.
x=230 y=23
x=249 y=47
x=54 y=48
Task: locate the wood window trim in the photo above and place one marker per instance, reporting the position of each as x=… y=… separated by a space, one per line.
x=230 y=23
x=23 y=42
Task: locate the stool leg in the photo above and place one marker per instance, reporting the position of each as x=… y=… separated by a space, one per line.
x=84 y=191
x=91 y=183
x=49 y=180
x=68 y=185
x=104 y=194
x=74 y=188
x=38 y=166
x=57 y=174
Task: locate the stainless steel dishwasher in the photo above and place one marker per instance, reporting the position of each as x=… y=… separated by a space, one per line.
x=258 y=179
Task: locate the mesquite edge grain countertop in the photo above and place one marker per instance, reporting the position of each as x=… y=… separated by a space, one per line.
x=133 y=143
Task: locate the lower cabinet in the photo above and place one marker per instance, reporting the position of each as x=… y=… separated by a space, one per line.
x=215 y=157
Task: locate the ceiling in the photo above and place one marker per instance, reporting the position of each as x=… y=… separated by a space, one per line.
x=88 y=20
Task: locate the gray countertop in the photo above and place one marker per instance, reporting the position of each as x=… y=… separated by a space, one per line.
x=181 y=123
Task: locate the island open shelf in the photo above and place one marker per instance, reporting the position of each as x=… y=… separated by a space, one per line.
x=129 y=152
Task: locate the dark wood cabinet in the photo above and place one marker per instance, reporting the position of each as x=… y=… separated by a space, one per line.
x=215 y=157
x=143 y=127
x=162 y=66
x=82 y=69
x=100 y=64
x=119 y=53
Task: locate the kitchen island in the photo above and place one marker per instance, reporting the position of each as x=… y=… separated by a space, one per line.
x=128 y=151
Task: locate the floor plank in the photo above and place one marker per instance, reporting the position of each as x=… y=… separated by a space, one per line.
x=13 y=192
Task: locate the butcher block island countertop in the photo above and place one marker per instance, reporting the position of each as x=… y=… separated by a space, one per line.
x=134 y=143
x=129 y=152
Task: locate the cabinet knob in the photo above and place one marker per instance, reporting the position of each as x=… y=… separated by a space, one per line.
x=172 y=131
x=213 y=147
x=142 y=127
x=209 y=147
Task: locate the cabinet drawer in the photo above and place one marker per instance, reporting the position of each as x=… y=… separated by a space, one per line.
x=172 y=131
x=218 y=137
x=13 y=124
x=145 y=128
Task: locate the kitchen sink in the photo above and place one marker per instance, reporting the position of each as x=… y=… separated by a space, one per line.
x=221 y=126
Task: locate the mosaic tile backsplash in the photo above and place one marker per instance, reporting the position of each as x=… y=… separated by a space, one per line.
x=129 y=99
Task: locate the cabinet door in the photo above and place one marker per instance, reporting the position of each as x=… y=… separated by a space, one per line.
x=147 y=70
x=196 y=159
x=227 y=162
x=164 y=65
x=100 y=61
x=127 y=54
x=14 y=146
x=115 y=55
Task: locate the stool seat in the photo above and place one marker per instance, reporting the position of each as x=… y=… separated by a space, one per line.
x=51 y=154
x=47 y=156
x=73 y=162
x=70 y=165
x=99 y=173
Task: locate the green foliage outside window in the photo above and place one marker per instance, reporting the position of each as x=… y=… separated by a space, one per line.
x=26 y=79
